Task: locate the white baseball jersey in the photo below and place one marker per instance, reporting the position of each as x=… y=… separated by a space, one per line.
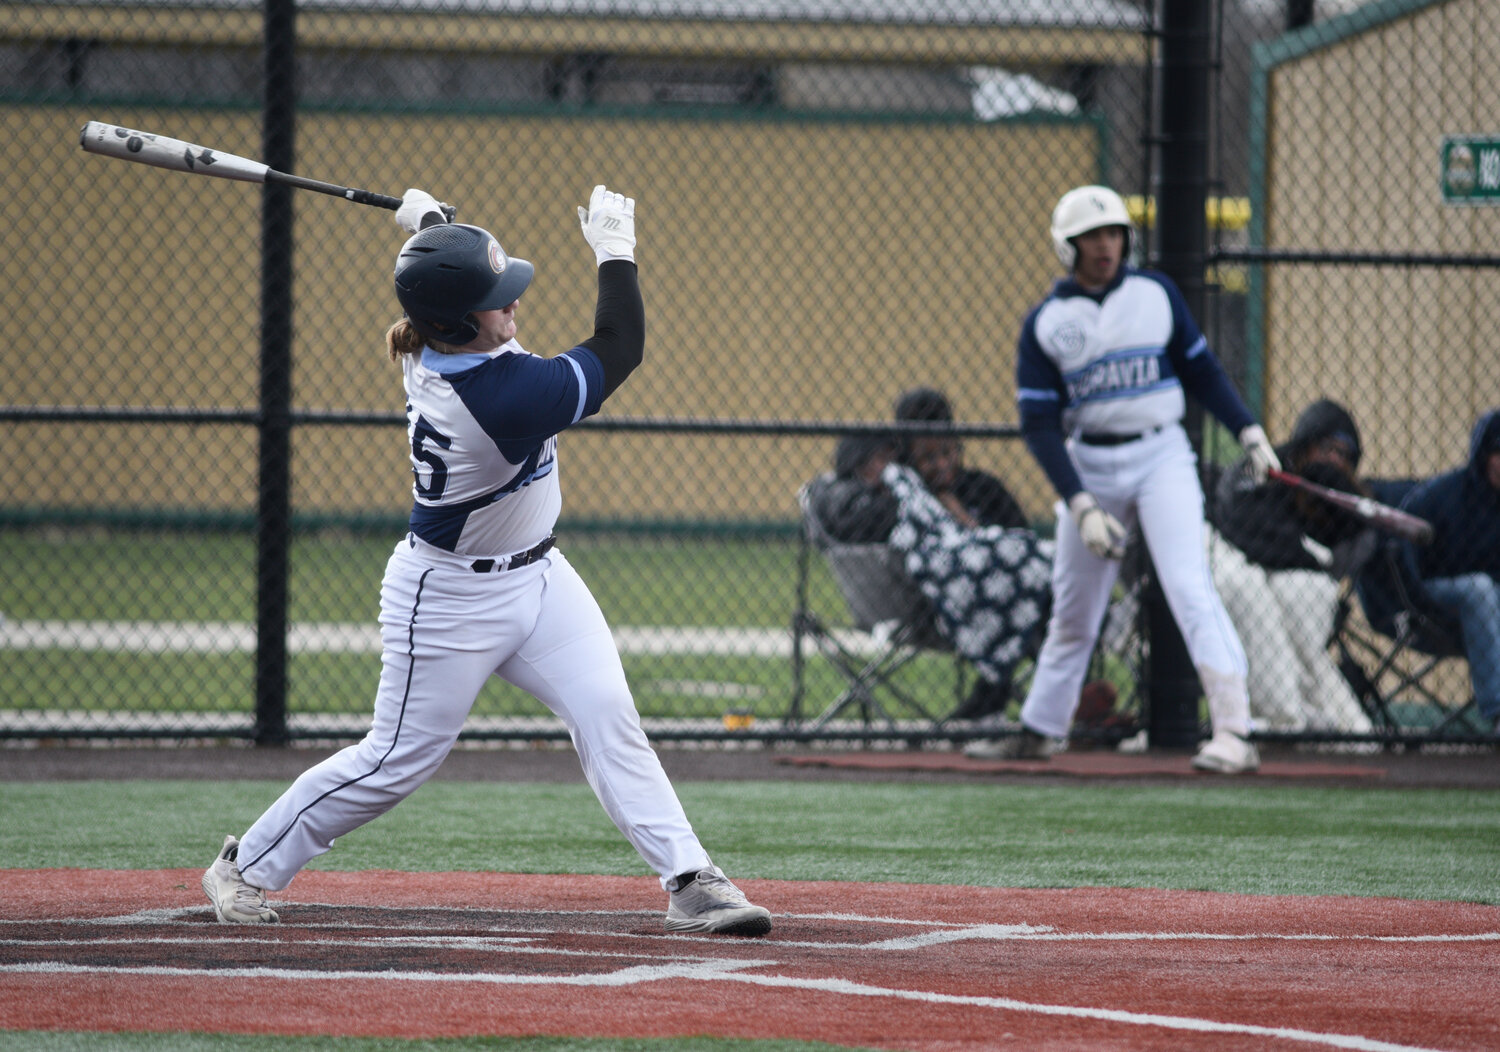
x=482 y=429
x=1113 y=363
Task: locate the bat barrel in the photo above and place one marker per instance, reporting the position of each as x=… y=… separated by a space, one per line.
x=160 y=151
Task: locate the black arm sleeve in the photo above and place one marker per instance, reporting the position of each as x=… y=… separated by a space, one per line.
x=619 y=339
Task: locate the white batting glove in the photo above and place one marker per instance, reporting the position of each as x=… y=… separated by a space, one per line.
x=609 y=225
x=1102 y=533
x=1258 y=449
x=418 y=210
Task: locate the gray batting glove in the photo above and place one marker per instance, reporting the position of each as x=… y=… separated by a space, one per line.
x=1102 y=533
x=419 y=210
x=609 y=225
x=1262 y=458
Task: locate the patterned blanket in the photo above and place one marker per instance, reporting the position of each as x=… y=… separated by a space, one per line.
x=991 y=587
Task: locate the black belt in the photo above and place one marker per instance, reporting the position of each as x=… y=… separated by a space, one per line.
x=526 y=558
x=1101 y=439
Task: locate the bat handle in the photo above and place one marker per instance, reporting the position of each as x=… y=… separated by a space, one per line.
x=370 y=197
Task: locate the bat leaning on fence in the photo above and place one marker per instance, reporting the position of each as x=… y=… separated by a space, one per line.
x=160 y=151
x=1381 y=516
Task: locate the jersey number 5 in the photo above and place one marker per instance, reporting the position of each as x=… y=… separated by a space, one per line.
x=423 y=438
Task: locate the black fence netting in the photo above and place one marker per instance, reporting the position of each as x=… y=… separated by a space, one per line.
x=207 y=453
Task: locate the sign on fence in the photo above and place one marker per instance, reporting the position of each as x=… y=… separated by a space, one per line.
x=1471 y=170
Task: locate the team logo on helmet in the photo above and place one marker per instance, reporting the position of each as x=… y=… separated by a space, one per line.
x=497 y=257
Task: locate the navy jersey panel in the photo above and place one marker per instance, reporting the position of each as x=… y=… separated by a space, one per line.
x=483 y=431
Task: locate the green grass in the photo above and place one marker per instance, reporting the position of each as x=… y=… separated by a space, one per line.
x=683 y=686
x=93 y=575
x=1256 y=839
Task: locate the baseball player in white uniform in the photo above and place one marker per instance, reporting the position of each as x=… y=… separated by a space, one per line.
x=1101 y=369
x=477 y=587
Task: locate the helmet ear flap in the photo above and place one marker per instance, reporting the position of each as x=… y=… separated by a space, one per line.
x=466 y=330
x=1067 y=254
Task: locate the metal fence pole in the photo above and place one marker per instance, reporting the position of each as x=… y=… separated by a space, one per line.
x=1181 y=192
x=273 y=509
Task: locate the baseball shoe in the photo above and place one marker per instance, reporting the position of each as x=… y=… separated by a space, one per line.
x=1028 y=745
x=711 y=903
x=1227 y=753
x=235 y=901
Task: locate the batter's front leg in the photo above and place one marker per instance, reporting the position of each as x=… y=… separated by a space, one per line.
x=1171 y=517
x=572 y=666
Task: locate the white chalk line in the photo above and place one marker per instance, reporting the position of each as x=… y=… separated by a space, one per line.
x=237 y=637
x=725 y=970
x=733 y=971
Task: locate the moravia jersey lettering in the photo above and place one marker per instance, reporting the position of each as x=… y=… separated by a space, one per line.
x=1116 y=363
x=483 y=431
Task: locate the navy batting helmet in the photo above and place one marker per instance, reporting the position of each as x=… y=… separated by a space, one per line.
x=447 y=272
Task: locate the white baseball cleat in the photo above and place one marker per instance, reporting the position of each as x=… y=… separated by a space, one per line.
x=235 y=901
x=711 y=903
x=1227 y=753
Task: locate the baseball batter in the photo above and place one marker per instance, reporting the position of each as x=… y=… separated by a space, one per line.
x=478 y=587
x=1101 y=369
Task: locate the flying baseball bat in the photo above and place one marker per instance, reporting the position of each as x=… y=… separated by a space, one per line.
x=160 y=151
x=1381 y=516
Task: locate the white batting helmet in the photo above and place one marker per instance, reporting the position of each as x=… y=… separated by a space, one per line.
x=1083 y=209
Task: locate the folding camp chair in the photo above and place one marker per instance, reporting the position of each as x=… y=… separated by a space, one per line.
x=893 y=623
x=1401 y=661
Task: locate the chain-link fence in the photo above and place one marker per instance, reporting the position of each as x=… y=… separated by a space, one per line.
x=206 y=462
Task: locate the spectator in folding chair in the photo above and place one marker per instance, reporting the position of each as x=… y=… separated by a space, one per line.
x=970 y=575
x=1277 y=559
x=973 y=497
x=1460 y=569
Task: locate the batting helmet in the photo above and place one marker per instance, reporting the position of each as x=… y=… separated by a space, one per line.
x=1083 y=209
x=447 y=272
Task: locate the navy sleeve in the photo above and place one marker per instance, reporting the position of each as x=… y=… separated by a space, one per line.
x=1200 y=372
x=521 y=400
x=1041 y=395
x=619 y=339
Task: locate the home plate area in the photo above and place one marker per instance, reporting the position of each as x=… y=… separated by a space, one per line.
x=875 y=965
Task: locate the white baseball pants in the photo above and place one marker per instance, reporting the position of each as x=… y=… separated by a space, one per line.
x=1153 y=481
x=445 y=630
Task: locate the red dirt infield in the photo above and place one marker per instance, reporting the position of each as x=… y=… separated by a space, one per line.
x=899 y=966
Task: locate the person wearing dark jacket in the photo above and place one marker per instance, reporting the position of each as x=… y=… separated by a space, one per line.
x=1277 y=558
x=1460 y=569
x=852 y=503
x=974 y=498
